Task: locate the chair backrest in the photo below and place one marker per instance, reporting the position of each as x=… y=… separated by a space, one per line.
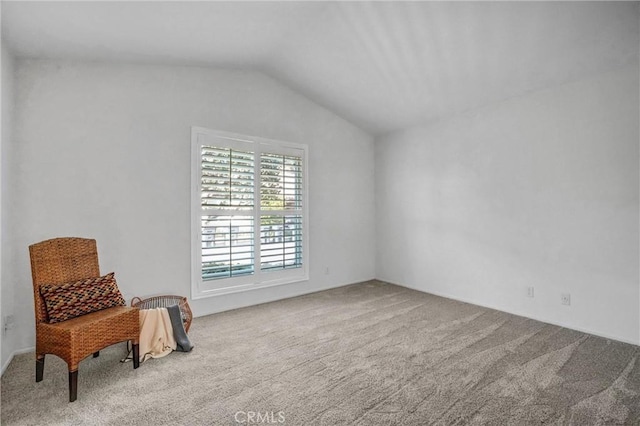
x=61 y=260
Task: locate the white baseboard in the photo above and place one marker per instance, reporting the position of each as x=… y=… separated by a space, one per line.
x=295 y=294
x=435 y=293
x=275 y=299
x=520 y=314
x=14 y=353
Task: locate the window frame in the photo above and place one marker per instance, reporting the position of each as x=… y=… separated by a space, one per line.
x=200 y=288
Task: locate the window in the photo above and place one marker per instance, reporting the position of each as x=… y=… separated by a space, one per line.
x=249 y=220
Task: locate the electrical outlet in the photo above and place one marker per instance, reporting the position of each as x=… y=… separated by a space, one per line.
x=529 y=291
x=565 y=299
x=9 y=322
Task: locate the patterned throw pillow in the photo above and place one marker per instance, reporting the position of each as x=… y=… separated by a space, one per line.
x=70 y=300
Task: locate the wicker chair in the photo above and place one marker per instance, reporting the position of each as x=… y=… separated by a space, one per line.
x=62 y=260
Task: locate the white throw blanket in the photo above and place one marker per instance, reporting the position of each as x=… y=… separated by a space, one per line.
x=156 y=334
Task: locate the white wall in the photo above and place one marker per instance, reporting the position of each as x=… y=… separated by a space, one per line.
x=6 y=290
x=102 y=151
x=540 y=190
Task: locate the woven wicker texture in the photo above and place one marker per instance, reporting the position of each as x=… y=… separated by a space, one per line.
x=63 y=260
x=164 y=302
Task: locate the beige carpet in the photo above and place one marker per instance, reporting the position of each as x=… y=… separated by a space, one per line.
x=367 y=354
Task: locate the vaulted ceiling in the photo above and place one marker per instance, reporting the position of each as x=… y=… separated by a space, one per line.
x=381 y=65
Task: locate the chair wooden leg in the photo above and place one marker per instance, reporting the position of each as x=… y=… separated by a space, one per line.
x=39 y=367
x=73 y=385
x=96 y=354
x=136 y=355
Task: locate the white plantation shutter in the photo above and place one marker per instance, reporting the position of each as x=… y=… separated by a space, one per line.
x=280 y=182
x=227 y=178
x=249 y=221
x=227 y=186
x=281 y=242
x=227 y=246
x=281 y=194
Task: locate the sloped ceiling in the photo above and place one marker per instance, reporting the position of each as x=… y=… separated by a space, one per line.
x=381 y=65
